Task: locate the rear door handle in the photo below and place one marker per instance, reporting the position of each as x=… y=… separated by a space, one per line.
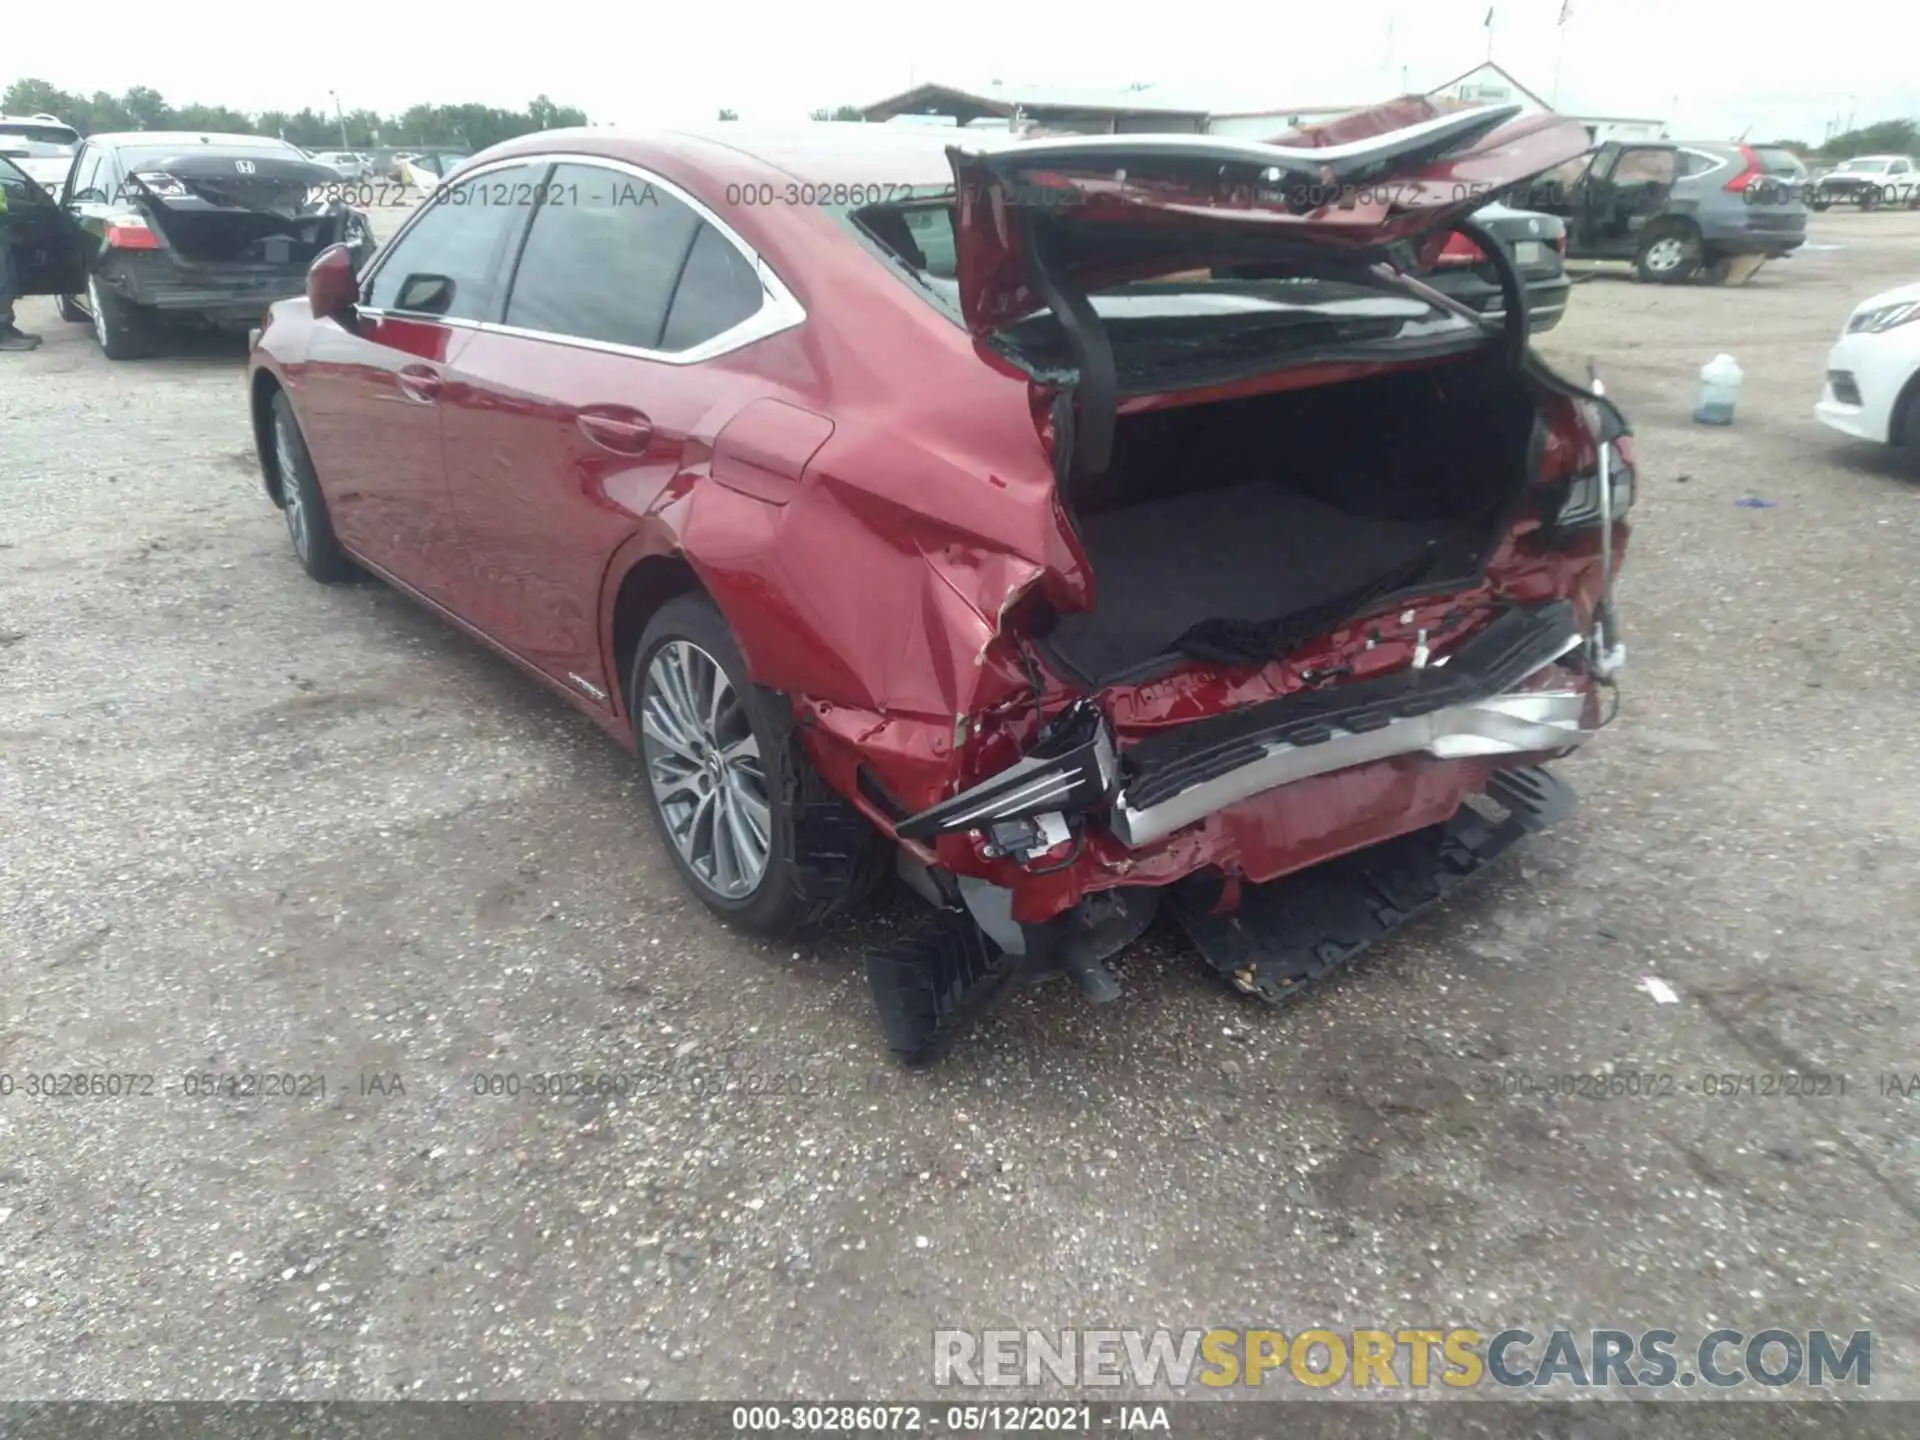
x=420 y=383
x=616 y=428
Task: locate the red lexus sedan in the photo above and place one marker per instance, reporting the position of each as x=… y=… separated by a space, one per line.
x=1069 y=525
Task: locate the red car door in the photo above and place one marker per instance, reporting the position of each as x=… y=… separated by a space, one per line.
x=369 y=393
x=563 y=425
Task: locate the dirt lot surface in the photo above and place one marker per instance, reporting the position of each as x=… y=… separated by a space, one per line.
x=252 y=824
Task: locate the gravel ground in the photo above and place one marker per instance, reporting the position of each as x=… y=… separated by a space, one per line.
x=249 y=823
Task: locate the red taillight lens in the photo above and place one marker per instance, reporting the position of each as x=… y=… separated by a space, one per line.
x=1747 y=176
x=1459 y=250
x=1560 y=244
x=130 y=232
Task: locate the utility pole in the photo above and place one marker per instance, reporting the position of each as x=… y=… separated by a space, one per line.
x=340 y=115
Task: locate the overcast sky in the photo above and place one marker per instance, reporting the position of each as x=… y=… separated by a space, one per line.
x=1710 y=70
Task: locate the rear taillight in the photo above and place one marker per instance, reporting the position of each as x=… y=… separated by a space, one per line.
x=130 y=232
x=1570 y=466
x=1560 y=244
x=1753 y=172
x=1459 y=250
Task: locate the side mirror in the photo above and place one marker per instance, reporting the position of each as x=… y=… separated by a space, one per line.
x=332 y=289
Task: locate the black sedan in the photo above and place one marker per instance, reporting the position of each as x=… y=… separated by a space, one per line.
x=154 y=225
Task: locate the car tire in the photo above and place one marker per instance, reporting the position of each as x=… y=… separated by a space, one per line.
x=1670 y=253
x=1906 y=424
x=124 y=329
x=752 y=827
x=1819 y=200
x=1869 y=197
x=309 y=524
x=71 y=310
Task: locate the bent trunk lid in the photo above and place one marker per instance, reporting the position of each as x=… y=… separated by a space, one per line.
x=1125 y=206
x=239 y=208
x=281 y=184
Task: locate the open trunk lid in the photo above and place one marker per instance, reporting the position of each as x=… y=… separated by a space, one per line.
x=1107 y=208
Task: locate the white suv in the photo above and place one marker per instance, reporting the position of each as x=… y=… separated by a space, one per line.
x=41 y=145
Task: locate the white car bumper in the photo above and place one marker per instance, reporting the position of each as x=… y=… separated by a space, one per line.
x=1866 y=375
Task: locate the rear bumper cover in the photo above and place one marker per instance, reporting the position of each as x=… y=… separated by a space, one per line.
x=1490 y=698
x=1471 y=706
x=238 y=294
x=160 y=282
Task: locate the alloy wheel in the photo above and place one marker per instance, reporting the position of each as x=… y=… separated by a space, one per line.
x=292 y=500
x=1666 y=253
x=705 y=768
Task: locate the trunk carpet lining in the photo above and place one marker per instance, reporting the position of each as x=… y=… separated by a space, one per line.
x=1246 y=555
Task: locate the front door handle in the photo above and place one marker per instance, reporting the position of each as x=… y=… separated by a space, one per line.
x=616 y=428
x=420 y=383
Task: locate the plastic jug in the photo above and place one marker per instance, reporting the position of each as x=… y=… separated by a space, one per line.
x=1719 y=391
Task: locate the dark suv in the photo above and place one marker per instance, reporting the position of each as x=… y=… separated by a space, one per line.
x=1676 y=210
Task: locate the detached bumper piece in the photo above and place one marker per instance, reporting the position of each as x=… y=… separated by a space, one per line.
x=928 y=986
x=1301 y=927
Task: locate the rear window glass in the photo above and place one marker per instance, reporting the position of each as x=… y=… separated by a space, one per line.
x=38 y=134
x=1778 y=162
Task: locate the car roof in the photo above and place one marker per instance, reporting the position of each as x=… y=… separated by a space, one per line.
x=820 y=152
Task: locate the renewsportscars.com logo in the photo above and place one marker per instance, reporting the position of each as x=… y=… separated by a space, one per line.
x=1456 y=1357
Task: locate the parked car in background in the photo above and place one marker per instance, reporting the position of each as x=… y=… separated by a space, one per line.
x=41 y=145
x=1871 y=182
x=1872 y=389
x=1538 y=243
x=348 y=165
x=1674 y=210
x=157 y=225
x=425 y=169
x=1026 y=557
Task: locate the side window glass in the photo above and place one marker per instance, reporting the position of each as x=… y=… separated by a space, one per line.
x=718 y=289
x=602 y=258
x=86 y=176
x=448 y=265
x=1646 y=167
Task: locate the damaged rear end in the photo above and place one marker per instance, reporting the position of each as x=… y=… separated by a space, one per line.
x=220 y=234
x=1351 y=548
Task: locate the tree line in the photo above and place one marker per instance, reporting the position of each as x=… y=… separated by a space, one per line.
x=464 y=127
x=1888 y=137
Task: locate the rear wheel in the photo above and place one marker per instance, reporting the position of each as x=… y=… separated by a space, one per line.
x=123 y=328
x=1869 y=197
x=309 y=525
x=753 y=829
x=1670 y=254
